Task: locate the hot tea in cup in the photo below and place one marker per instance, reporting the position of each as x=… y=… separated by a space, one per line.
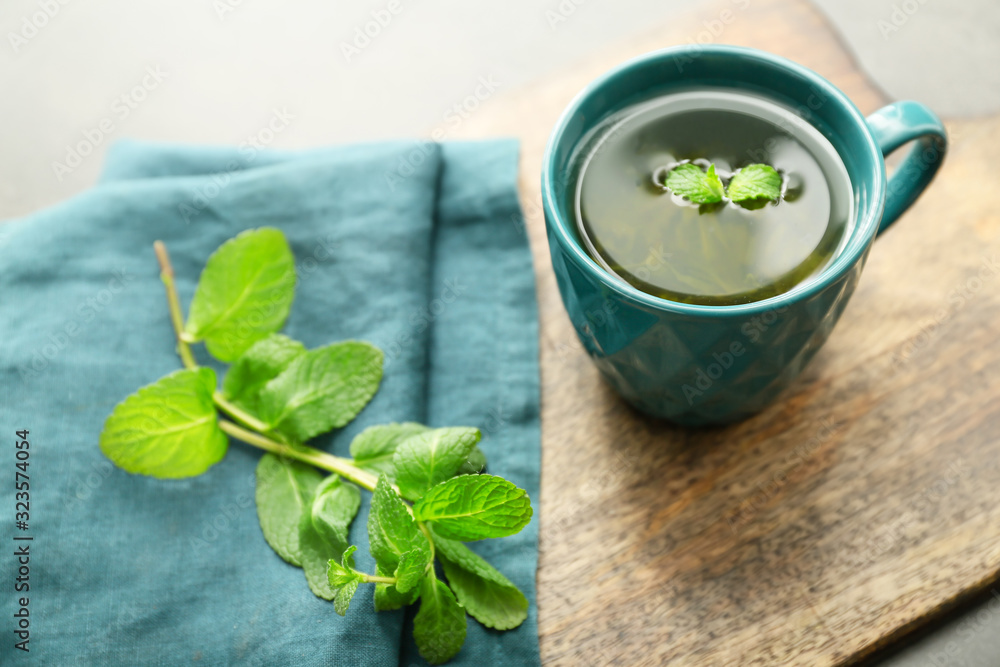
x=711 y=197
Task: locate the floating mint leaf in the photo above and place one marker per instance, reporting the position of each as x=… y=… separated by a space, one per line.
x=260 y=363
x=690 y=182
x=168 y=429
x=284 y=494
x=755 y=181
x=487 y=595
x=391 y=530
x=244 y=293
x=474 y=507
x=322 y=389
x=374 y=447
x=431 y=457
x=439 y=626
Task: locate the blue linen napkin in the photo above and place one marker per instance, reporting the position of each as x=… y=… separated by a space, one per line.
x=413 y=246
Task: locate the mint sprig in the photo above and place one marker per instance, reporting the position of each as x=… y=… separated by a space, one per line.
x=276 y=395
x=753 y=182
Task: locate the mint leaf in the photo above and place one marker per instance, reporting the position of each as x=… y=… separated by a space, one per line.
x=755 y=181
x=345 y=579
x=167 y=429
x=261 y=362
x=373 y=448
x=244 y=293
x=474 y=464
x=439 y=626
x=323 y=531
x=344 y=595
x=315 y=553
x=342 y=573
x=411 y=569
x=284 y=494
x=690 y=182
x=474 y=507
x=431 y=457
x=392 y=532
x=487 y=595
x=387 y=598
x=333 y=509
x=322 y=389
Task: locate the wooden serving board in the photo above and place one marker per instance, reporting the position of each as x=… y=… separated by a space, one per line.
x=864 y=502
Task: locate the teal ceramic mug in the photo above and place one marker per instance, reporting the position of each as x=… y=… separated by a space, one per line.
x=696 y=364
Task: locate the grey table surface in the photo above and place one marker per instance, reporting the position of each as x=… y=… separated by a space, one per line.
x=76 y=76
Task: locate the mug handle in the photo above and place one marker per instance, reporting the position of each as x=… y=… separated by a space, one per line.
x=894 y=125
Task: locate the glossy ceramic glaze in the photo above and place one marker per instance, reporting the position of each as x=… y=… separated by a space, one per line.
x=696 y=364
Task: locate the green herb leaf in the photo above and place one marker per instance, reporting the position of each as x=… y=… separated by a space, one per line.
x=244 y=293
x=387 y=598
x=322 y=389
x=391 y=530
x=487 y=595
x=439 y=626
x=373 y=448
x=285 y=490
x=345 y=579
x=260 y=363
x=171 y=429
x=342 y=573
x=167 y=429
x=474 y=507
x=474 y=464
x=323 y=531
x=690 y=182
x=315 y=553
x=411 y=569
x=431 y=457
x=334 y=507
x=344 y=595
x=755 y=181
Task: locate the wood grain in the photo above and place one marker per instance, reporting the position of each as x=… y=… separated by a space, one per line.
x=861 y=504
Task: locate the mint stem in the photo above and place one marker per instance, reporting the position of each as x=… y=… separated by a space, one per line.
x=314 y=457
x=174 y=303
x=372 y=579
x=239 y=415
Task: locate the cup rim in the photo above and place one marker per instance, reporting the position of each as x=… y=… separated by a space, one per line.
x=864 y=231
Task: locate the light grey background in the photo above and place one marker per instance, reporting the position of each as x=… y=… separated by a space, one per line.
x=226 y=65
